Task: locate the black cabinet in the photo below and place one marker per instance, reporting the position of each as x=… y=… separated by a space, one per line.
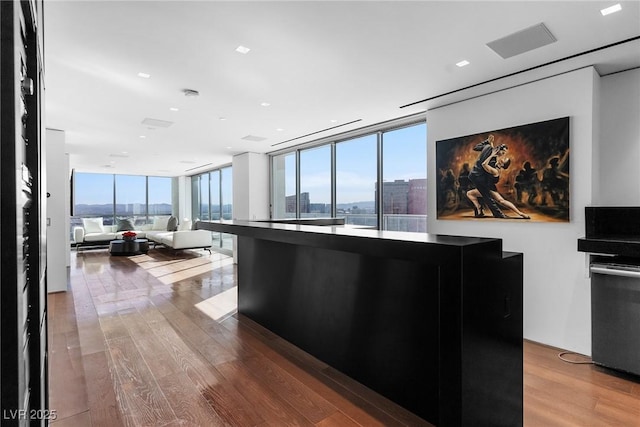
x=23 y=341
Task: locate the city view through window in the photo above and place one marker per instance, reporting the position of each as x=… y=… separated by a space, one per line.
x=110 y=196
x=403 y=196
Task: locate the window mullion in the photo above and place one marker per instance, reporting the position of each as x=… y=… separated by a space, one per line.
x=379 y=196
x=334 y=211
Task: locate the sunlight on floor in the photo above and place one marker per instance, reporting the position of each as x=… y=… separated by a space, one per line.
x=220 y=306
x=172 y=271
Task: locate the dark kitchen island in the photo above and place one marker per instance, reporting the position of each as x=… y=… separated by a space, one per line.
x=432 y=322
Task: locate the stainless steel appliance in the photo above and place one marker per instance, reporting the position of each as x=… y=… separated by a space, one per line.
x=615 y=313
x=613 y=243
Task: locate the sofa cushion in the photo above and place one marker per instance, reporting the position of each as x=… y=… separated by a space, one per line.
x=99 y=237
x=191 y=239
x=160 y=223
x=172 y=223
x=185 y=225
x=124 y=225
x=92 y=225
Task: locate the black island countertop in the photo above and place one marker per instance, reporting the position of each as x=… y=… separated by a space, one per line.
x=432 y=322
x=344 y=237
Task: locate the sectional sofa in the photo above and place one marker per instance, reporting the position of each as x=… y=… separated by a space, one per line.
x=163 y=231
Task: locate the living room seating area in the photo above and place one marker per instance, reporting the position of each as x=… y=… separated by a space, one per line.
x=164 y=230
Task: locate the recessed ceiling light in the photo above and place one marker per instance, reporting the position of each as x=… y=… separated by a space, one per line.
x=143 y=136
x=611 y=9
x=228 y=148
x=265 y=104
x=144 y=75
x=279 y=129
x=173 y=109
x=333 y=121
x=222 y=118
x=462 y=63
x=242 y=49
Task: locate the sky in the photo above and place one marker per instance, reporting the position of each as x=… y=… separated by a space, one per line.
x=97 y=189
x=404 y=154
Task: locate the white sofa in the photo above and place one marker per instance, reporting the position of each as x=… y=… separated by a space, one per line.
x=93 y=233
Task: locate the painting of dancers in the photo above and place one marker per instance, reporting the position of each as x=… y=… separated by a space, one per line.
x=517 y=173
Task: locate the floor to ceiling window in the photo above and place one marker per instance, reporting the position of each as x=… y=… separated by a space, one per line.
x=212 y=200
x=214 y=195
x=315 y=182
x=159 y=189
x=131 y=198
x=283 y=170
x=356 y=177
x=226 y=193
x=113 y=196
x=92 y=197
x=340 y=178
x=404 y=179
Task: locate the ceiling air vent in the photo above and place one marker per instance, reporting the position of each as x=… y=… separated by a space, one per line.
x=254 y=138
x=522 y=41
x=156 y=123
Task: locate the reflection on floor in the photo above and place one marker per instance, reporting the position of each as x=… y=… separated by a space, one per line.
x=152 y=340
x=220 y=306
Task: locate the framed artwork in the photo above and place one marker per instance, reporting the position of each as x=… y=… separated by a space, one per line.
x=517 y=173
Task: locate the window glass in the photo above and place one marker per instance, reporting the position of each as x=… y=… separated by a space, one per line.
x=131 y=198
x=404 y=187
x=93 y=197
x=315 y=182
x=204 y=197
x=214 y=186
x=195 y=198
x=356 y=176
x=283 y=192
x=159 y=189
x=227 y=193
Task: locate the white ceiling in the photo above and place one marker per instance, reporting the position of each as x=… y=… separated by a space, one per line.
x=318 y=64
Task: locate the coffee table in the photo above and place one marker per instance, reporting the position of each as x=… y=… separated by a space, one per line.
x=129 y=247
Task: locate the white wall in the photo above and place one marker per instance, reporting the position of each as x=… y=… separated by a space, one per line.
x=250 y=186
x=619 y=149
x=556 y=287
x=58 y=211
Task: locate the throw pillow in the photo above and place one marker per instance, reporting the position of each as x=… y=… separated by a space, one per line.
x=124 y=225
x=160 y=223
x=185 y=225
x=92 y=225
x=172 y=223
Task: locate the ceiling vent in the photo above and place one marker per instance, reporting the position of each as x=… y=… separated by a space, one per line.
x=522 y=41
x=190 y=92
x=254 y=138
x=156 y=123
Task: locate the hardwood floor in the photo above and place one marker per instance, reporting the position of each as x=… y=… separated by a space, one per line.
x=152 y=340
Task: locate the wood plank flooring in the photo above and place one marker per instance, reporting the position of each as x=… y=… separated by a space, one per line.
x=152 y=340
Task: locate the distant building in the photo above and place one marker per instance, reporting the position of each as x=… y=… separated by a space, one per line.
x=417 y=197
x=404 y=197
x=395 y=197
x=291 y=203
